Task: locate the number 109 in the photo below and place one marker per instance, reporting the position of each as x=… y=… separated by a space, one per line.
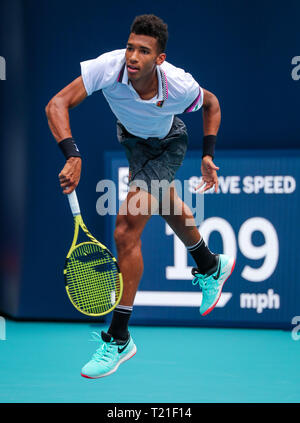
x=269 y=251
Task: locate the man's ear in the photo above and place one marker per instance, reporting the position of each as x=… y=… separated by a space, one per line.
x=161 y=58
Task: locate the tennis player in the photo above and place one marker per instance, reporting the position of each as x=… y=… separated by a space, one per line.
x=146 y=93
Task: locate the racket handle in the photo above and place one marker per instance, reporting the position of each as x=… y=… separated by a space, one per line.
x=74 y=205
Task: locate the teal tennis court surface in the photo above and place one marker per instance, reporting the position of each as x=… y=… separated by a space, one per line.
x=41 y=363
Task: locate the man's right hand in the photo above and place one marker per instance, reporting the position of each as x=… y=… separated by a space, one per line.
x=70 y=175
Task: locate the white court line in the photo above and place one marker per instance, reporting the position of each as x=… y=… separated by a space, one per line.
x=175 y=299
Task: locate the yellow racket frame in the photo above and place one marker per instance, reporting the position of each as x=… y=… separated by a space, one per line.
x=78 y=223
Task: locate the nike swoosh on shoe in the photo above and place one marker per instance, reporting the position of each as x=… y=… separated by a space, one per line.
x=120 y=350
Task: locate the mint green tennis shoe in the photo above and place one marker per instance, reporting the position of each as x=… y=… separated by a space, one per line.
x=108 y=356
x=211 y=284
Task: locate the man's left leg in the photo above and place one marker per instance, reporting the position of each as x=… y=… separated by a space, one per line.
x=212 y=270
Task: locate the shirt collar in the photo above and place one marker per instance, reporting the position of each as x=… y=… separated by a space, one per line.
x=162 y=83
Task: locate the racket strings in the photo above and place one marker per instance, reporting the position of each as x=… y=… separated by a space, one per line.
x=93 y=291
x=93 y=297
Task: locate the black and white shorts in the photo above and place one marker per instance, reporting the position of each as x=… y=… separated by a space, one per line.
x=154 y=162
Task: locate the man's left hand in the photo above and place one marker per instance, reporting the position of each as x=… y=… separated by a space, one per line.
x=209 y=175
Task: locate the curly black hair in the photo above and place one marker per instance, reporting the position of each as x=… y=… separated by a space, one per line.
x=152 y=26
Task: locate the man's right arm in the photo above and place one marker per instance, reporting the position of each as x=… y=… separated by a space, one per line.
x=57 y=111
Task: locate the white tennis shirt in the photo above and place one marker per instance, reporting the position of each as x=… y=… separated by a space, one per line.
x=178 y=93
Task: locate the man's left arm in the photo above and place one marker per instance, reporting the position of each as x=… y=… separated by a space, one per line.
x=211 y=113
x=211 y=123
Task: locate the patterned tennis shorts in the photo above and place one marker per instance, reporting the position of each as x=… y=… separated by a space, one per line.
x=154 y=162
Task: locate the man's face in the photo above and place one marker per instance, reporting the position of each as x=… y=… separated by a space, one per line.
x=142 y=56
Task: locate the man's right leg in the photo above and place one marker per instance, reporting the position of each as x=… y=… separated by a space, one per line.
x=117 y=345
x=133 y=215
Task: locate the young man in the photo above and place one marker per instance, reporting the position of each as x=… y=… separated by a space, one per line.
x=145 y=93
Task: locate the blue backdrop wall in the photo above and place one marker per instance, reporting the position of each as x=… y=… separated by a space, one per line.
x=245 y=52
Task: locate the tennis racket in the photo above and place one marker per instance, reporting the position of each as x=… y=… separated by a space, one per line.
x=92 y=276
